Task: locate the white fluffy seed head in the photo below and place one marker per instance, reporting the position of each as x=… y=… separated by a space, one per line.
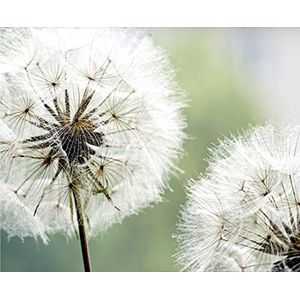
x=244 y=213
x=96 y=112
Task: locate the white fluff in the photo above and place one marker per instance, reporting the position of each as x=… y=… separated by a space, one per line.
x=244 y=213
x=130 y=133
x=16 y=217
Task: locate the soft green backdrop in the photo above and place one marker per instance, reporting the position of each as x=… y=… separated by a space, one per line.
x=221 y=101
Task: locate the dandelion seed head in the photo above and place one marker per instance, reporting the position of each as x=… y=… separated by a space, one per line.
x=93 y=112
x=244 y=213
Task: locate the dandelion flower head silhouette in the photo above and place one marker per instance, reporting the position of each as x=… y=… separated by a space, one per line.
x=244 y=213
x=90 y=122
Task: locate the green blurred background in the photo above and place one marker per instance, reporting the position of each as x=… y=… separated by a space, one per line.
x=221 y=96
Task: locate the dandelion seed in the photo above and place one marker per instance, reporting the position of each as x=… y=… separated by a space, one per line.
x=96 y=115
x=244 y=214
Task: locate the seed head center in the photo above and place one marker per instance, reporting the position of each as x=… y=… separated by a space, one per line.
x=75 y=139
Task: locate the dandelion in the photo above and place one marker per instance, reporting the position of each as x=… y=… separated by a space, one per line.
x=95 y=124
x=244 y=213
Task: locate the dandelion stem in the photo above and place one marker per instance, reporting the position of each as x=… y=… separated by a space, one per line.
x=82 y=234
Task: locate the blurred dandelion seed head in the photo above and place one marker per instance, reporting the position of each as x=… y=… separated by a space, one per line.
x=244 y=213
x=96 y=112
